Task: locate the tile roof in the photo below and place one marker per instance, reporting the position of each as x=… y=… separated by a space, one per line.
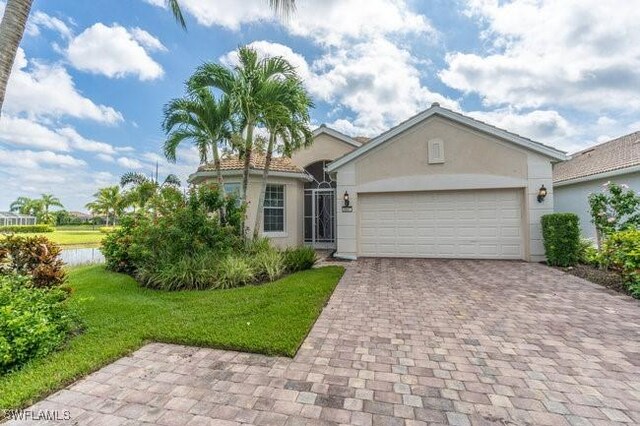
x=278 y=164
x=613 y=155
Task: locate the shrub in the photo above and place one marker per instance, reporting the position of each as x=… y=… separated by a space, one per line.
x=621 y=251
x=299 y=259
x=257 y=245
x=616 y=208
x=234 y=271
x=33 y=321
x=268 y=265
x=193 y=272
x=108 y=229
x=561 y=234
x=36 y=257
x=25 y=229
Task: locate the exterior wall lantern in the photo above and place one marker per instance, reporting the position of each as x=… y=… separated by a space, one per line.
x=542 y=193
x=346 y=206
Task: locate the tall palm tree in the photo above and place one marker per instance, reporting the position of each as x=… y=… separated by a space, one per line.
x=288 y=124
x=109 y=202
x=202 y=119
x=15 y=17
x=253 y=87
x=48 y=200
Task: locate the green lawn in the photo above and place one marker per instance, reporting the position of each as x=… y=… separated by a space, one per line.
x=73 y=236
x=120 y=316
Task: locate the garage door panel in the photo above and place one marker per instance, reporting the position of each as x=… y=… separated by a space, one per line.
x=465 y=224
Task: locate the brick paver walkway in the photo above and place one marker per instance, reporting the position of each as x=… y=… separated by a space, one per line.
x=402 y=342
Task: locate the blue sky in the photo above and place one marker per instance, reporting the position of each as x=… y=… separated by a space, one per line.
x=84 y=103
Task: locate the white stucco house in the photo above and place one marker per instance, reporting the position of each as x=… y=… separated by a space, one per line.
x=617 y=160
x=439 y=185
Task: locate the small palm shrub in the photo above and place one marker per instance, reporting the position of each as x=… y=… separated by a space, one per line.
x=561 y=234
x=268 y=265
x=35 y=257
x=299 y=259
x=33 y=321
x=235 y=271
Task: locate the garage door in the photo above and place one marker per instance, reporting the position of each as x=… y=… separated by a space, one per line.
x=481 y=224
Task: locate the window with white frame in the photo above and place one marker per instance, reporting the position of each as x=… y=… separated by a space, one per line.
x=274 y=209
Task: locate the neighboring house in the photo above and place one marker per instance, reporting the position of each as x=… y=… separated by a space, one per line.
x=440 y=184
x=11 y=219
x=587 y=171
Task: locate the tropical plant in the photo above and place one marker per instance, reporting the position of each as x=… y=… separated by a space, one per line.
x=235 y=271
x=15 y=17
x=109 y=202
x=33 y=321
x=621 y=251
x=147 y=193
x=47 y=201
x=21 y=205
x=299 y=259
x=615 y=208
x=253 y=87
x=202 y=119
x=35 y=257
x=289 y=125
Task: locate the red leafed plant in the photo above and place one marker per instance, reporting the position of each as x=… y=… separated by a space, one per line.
x=36 y=257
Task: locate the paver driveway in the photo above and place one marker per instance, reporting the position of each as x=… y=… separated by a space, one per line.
x=403 y=342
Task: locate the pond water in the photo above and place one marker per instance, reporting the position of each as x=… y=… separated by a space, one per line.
x=82 y=256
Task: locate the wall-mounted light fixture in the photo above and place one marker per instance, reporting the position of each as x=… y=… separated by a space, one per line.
x=346 y=199
x=542 y=193
x=346 y=205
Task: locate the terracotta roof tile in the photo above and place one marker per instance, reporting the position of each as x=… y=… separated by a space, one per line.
x=278 y=164
x=615 y=154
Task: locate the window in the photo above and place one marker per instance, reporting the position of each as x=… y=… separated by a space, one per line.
x=436 y=151
x=234 y=188
x=274 y=209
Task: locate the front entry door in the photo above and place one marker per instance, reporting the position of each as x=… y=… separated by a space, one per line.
x=319 y=218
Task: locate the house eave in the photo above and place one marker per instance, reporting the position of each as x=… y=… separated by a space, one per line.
x=336 y=134
x=602 y=175
x=252 y=172
x=548 y=151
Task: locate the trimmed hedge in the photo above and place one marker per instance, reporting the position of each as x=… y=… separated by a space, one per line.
x=25 y=229
x=621 y=251
x=561 y=234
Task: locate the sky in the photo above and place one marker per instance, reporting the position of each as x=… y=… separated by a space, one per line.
x=84 y=102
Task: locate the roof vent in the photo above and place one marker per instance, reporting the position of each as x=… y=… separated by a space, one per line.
x=435 y=104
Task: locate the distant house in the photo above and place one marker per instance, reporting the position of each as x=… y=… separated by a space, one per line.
x=12 y=219
x=617 y=161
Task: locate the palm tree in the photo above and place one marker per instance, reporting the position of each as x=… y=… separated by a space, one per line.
x=109 y=202
x=254 y=89
x=21 y=205
x=48 y=200
x=290 y=125
x=144 y=189
x=202 y=119
x=15 y=17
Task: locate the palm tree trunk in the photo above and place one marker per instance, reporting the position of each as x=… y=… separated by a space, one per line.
x=263 y=191
x=248 y=148
x=12 y=27
x=216 y=163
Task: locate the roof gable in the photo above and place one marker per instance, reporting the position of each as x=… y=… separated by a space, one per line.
x=436 y=109
x=323 y=129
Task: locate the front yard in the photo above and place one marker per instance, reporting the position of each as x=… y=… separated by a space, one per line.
x=119 y=316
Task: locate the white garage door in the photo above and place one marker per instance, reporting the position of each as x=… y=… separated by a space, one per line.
x=481 y=224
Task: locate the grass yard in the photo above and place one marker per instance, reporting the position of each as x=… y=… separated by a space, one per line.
x=72 y=236
x=120 y=316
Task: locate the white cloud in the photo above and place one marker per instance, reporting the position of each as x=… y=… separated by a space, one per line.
x=576 y=53
x=40 y=19
x=28 y=133
x=129 y=163
x=49 y=91
x=34 y=159
x=327 y=22
x=115 y=52
x=364 y=80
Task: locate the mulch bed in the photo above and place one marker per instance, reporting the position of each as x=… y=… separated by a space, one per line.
x=609 y=279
